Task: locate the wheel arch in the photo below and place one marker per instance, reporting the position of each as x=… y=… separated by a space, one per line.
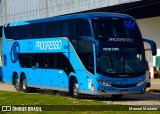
x=14 y=76
x=71 y=78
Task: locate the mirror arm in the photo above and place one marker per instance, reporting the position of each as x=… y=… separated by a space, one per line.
x=152 y=44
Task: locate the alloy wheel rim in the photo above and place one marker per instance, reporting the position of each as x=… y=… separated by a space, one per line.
x=17 y=83
x=24 y=84
x=75 y=89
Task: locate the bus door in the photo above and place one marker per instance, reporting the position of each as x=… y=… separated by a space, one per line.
x=54 y=79
x=34 y=76
x=46 y=78
x=62 y=80
x=49 y=74
x=63 y=67
x=59 y=75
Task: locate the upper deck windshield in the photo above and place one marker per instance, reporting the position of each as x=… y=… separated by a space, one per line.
x=105 y=29
x=120 y=60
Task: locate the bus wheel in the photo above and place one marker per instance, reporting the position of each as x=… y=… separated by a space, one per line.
x=117 y=96
x=17 y=84
x=24 y=85
x=75 y=89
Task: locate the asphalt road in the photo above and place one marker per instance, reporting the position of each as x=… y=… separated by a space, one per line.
x=149 y=98
x=139 y=99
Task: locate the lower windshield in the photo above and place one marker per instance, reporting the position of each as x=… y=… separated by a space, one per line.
x=120 y=60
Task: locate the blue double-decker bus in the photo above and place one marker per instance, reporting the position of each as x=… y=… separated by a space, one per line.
x=88 y=53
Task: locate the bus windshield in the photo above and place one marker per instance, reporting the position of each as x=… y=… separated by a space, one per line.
x=120 y=60
x=105 y=29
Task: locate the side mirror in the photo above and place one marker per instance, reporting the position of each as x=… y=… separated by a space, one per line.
x=153 y=46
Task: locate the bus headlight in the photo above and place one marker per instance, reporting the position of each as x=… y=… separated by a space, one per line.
x=103 y=82
x=141 y=83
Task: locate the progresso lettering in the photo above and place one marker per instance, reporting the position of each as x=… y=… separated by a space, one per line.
x=121 y=40
x=48 y=45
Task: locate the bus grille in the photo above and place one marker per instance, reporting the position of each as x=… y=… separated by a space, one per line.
x=123 y=86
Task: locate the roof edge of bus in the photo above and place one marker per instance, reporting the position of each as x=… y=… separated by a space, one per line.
x=73 y=16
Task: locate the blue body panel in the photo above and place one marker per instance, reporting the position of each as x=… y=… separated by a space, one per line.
x=120 y=81
x=58 y=79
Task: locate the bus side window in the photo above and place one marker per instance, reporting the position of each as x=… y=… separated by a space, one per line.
x=49 y=29
x=19 y=33
x=48 y=61
x=53 y=29
x=35 y=31
x=23 y=59
x=12 y=33
x=72 y=28
x=32 y=60
x=26 y=32
x=39 y=30
x=41 y=60
x=31 y=31
x=44 y=32
x=58 y=29
x=65 y=31
x=64 y=64
x=82 y=28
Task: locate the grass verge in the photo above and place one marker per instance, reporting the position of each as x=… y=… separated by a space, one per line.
x=51 y=103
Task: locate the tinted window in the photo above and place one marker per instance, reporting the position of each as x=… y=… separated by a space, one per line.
x=84 y=50
x=47 y=61
x=28 y=60
x=64 y=64
x=116 y=29
x=72 y=28
x=77 y=27
x=83 y=28
x=87 y=60
x=65 y=31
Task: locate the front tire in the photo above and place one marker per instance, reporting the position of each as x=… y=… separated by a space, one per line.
x=75 y=89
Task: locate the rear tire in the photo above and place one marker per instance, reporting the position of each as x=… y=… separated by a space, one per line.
x=25 y=88
x=17 y=84
x=75 y=89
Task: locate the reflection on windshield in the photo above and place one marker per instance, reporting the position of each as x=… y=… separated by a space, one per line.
x=120 y=60
x=116 y=29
